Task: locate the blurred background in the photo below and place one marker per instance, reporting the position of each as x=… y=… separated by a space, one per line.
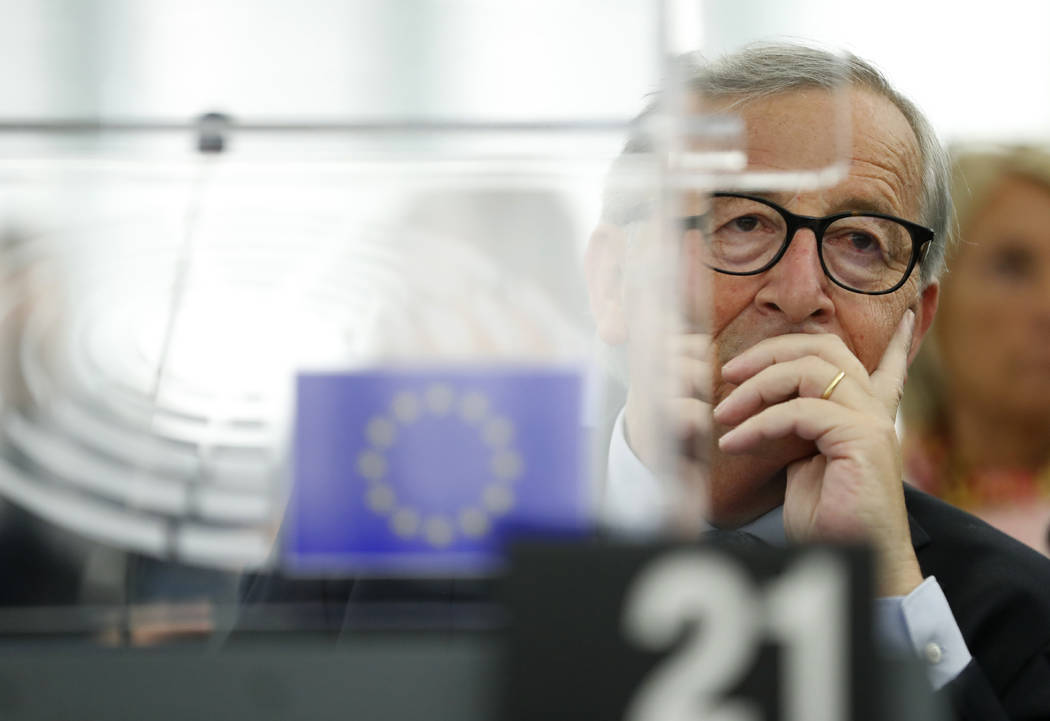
x=979 y=74
x=393 y=166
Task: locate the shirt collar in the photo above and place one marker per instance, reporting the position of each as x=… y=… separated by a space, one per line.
x=768 y=527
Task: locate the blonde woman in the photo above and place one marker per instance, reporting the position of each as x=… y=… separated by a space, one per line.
x=977 y=404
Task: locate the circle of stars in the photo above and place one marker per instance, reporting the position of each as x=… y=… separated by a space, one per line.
x=437 y=529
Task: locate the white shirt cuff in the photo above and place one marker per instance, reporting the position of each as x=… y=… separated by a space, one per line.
x=923 y=622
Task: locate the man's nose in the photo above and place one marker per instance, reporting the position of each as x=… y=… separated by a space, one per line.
x=797 y=286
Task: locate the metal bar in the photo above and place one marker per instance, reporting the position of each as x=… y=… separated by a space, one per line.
x=373 y=126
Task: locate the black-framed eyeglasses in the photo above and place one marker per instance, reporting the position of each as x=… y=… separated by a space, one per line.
x=867 y=253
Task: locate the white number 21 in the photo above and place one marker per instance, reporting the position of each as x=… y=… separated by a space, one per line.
x=804 y=610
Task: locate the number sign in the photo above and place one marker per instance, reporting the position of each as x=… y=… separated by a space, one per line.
x=689 y=633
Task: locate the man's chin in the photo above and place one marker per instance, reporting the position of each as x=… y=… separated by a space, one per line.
x=743 y=487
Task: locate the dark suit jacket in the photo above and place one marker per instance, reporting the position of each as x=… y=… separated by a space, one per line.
x=999 y=592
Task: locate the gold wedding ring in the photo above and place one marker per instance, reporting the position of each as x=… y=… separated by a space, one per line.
x=832 y=386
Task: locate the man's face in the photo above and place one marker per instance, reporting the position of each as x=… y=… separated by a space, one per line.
x=791 y=131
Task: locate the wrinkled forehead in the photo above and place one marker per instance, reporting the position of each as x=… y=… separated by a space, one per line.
x=813 y=131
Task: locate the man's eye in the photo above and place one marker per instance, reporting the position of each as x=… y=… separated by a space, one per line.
x=857 y=242
x=745 y=223
x=863 y=242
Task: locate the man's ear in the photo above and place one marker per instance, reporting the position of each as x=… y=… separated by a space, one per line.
x=924 y=307
x=603 y=265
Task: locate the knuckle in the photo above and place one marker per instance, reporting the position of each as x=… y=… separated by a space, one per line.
x=885 y=429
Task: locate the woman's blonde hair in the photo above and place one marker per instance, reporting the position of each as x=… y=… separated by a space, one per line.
x=976 y=172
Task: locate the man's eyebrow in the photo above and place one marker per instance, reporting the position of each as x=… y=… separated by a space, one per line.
x=851 y=204
x=857 y=204
x=780 y=197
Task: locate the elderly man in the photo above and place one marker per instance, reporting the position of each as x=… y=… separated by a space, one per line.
x=819 y=299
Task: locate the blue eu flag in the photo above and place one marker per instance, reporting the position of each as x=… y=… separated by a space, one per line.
x=430 y=471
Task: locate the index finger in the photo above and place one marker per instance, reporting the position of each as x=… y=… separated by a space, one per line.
x=888 y=379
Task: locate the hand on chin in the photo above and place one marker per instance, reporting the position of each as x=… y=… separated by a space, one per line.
x=742 y=487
